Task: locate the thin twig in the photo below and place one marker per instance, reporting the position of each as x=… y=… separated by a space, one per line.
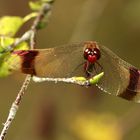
x=45 y=9
x=14 y=108
x=72 y=80
x=28 y=35
x=82 y=81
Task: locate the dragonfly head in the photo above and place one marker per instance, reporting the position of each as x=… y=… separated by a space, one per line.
x=91 y=52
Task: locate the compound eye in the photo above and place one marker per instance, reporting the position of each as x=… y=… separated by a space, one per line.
x=87 y=52
x=96 y=52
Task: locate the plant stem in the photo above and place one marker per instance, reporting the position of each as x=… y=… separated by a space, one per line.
x=82 y=81
x=29 y=35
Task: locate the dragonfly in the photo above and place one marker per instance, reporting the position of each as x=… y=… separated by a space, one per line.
x=82 y=59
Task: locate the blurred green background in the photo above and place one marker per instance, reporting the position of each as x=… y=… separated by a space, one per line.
x=69 y=112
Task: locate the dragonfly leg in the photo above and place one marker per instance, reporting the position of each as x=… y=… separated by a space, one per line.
x=89 y=69
x=94 y=67
x=99 y=65
x=92 y=70
x=71 y=74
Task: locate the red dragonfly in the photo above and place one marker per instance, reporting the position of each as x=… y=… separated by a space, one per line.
x=82 y=59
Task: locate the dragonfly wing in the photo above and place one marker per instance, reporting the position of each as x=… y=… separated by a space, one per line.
x=119 y=76
x=12 y=62
x=60 y=61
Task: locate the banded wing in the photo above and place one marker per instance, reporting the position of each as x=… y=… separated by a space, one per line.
x=120 y=78
x=64 y=61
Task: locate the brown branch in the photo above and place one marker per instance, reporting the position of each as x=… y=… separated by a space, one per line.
x=14 y=108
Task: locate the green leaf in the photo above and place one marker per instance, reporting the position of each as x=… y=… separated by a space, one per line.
x=5 y=42
x=30 y=16
x=81 y=79
x=42 y=24
x=35 y=6
x=47 y=1
x=9 y=25
x=92 y=81
x=7 y=61
x=22 y=46
x=96 y=78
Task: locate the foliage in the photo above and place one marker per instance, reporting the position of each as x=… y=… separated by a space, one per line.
x=35 y=6
x=6 y=59
x=9 y=26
